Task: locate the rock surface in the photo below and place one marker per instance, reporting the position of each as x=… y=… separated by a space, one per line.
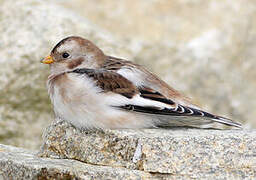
x=17 y=163
x=134 y=154
x=181 y=152
x=204 y=48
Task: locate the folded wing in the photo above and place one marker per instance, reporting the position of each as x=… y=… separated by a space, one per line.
x=148 y=101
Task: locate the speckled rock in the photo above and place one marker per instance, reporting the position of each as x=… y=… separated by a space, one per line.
x=115 y=154
x=186 y=152
x=17 y=163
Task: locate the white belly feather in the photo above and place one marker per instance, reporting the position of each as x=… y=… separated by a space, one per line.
x=78 y=101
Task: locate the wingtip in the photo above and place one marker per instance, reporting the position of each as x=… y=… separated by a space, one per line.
x=229 y=122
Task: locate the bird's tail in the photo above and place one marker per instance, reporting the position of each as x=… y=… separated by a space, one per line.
x=227 y=122
x=195 y=121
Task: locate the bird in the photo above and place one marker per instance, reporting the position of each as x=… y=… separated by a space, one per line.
x=92 y=90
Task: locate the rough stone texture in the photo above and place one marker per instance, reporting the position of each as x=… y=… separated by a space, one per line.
x=134 y=154
x=17 y=163
x=180 y=152
x=204 y=48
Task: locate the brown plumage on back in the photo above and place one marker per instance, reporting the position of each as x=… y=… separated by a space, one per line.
x=92 y=90
x=110 y=82
x=115 y=64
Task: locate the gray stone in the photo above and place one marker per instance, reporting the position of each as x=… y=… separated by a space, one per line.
x=134 y=154
x=178 y=152
x=17 y=163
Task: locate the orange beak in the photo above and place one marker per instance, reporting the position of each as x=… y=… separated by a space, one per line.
x=47 y=60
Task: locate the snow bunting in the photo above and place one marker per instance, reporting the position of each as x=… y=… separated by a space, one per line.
x=92 y=90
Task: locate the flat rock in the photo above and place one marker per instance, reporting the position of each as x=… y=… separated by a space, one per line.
x=181 y=152
x=18 y=163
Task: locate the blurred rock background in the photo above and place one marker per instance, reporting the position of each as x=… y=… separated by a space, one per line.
x=206 y=49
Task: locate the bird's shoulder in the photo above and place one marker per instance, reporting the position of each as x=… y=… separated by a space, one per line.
x=109 y=81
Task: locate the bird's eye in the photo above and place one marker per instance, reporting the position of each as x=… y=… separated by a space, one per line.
x=65 y=55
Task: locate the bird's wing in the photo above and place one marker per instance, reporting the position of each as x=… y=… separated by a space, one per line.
x=142 y=77
x=143 y=99
x=109 y=82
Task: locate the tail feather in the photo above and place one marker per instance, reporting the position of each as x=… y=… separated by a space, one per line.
x=227 y=122
x=192 y=121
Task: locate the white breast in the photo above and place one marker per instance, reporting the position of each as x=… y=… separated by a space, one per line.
x=77 y=100
x=74 y=99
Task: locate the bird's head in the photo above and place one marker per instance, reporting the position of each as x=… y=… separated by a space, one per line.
x=74 y=52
